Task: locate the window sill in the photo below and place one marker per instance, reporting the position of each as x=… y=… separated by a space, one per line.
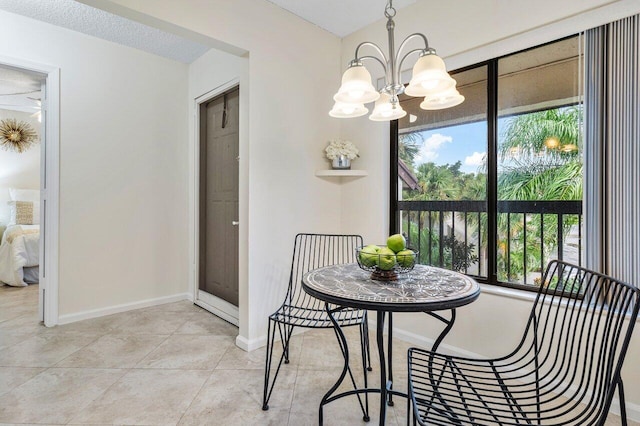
x=513 y=293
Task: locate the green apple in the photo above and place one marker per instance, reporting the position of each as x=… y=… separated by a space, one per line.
x=406 y=258
x=396 y=242
x=369 y=255
x=386 y=259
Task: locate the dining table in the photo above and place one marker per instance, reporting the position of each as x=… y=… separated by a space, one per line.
x=425 y=289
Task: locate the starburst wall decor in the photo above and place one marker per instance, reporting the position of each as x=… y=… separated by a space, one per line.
x=17 y=135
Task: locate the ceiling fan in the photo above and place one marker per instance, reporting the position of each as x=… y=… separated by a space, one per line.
x=21 y=104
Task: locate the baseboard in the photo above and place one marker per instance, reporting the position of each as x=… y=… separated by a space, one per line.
x=95 y=313
x=249 y=345
x=426 y=342
x=633 y=410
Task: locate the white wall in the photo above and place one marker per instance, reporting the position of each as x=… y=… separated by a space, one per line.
x=293 y=72
x=123 y=180
x=482 y=30
x=18 y=170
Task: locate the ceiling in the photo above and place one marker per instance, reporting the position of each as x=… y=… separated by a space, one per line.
x=340 y=17
x=98 y=23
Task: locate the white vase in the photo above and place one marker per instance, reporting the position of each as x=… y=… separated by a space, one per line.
x=341 y=162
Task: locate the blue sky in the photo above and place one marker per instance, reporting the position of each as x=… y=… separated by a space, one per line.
x=466 y=143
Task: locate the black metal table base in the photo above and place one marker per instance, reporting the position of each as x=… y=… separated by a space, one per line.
x=386 y=391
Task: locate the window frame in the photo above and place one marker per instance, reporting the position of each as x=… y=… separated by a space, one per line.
x=492 y=168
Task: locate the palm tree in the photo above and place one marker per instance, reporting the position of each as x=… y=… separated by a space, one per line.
x=542 y=138
x=437 y=182
x=533 y=152
x=408 y=147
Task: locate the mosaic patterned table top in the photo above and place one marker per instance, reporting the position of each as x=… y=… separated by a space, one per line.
x=417 y=290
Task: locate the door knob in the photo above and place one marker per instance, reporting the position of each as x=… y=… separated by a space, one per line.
x=235 y=223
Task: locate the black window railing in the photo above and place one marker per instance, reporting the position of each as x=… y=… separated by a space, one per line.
x=453 y=234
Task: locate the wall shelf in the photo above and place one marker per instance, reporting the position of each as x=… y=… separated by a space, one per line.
x=341 y=173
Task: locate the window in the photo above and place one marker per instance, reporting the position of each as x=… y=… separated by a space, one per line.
x=493 y=187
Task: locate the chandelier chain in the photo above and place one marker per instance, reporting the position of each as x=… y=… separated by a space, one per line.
x=389 y=10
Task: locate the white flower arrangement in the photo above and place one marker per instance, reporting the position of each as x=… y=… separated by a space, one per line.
x=338 y=147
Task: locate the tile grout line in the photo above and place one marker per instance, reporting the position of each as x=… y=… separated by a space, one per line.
x=135 y=367
x=194 y=397
x=79 y=349
x=125 y=372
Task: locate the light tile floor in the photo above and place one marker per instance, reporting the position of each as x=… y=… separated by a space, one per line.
x=170 y=364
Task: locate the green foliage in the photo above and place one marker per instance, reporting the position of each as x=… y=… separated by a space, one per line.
x=528 y=134
x=408 y=147
x=563 y=182
x=447 y=182
x=567 y=284
x=539 y=156
x=460 y=256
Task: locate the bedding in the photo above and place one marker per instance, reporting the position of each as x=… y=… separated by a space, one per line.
x=19 y=249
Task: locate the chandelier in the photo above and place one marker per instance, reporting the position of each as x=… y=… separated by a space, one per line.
x=429 y=79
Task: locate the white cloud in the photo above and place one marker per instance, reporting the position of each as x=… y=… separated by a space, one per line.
x=475 y=159
x=433 y=142
x=429 y=151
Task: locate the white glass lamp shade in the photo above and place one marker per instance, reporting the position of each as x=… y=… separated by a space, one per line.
x=385 y=110
x=429 y=77
x=447 y=99
x=356 y=87
x=342 y=110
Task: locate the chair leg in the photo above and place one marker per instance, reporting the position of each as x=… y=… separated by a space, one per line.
x=623 y=406
x=285 y=336
x=285 y=347
x=408 y=407
x=267 y=365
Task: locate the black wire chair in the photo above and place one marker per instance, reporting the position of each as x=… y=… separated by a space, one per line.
x=312 y=251
x=564 y=371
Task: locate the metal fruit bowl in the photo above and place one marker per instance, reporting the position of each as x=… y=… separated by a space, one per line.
x=386 y=267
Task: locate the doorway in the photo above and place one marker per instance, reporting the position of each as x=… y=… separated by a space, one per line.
x=29 y=186
x=218 y=194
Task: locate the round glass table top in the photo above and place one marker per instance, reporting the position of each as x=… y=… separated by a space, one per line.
x=425 y=288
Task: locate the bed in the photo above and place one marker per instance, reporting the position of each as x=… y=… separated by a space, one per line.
x=19 y=255
x=20 y=241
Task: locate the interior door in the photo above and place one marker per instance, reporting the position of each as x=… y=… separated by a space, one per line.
x=218 y=225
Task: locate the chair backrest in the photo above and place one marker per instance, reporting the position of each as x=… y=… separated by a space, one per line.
x=312 y=251
x=577 y=337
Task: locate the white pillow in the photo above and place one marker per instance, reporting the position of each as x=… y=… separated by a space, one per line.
x=24 y=195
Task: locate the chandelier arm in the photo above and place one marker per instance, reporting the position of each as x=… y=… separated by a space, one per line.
x=409 y=38
x=375 y=47
x=409 y=53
